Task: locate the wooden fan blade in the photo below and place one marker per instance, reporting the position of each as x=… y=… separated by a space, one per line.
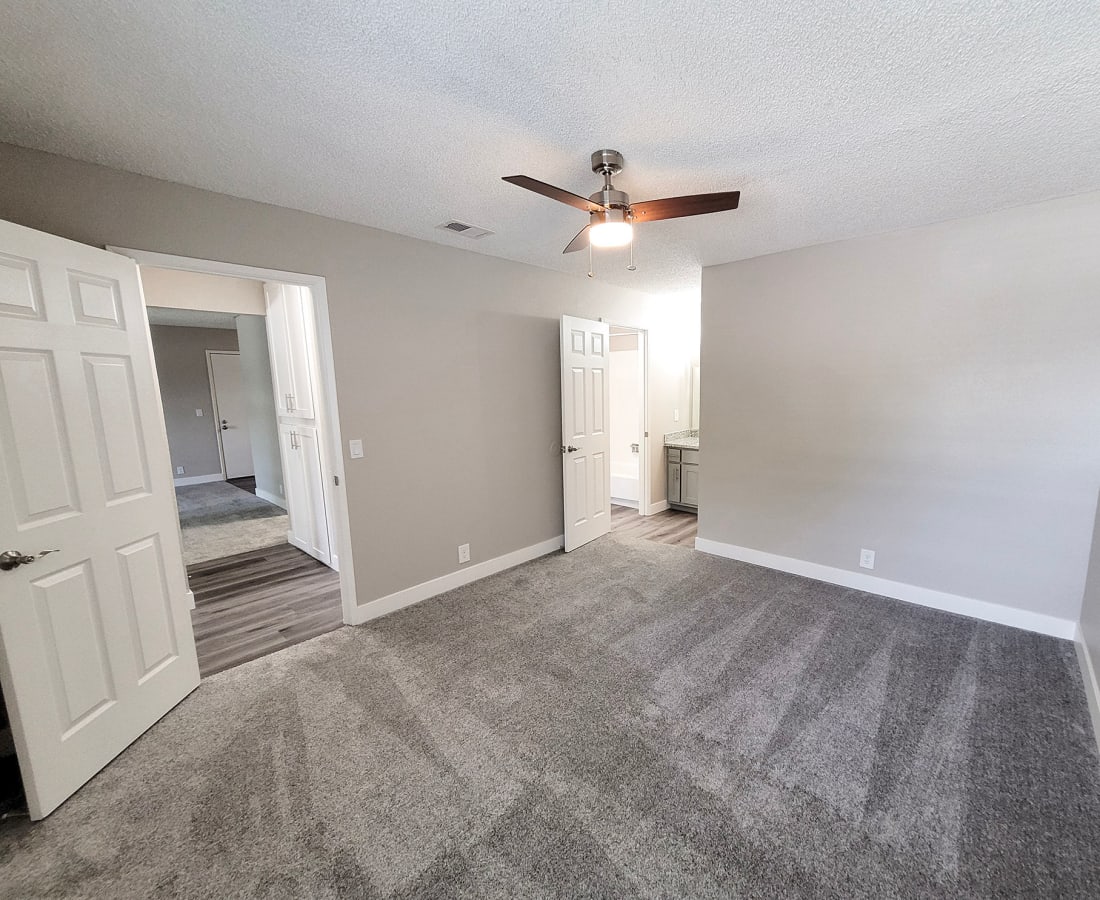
x=554 y=193
x=677 y=207
x=579 y=242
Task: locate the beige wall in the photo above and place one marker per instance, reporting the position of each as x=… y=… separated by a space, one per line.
x=196 y=290
x=180 y=353
x=446 y=361
x=931 y=394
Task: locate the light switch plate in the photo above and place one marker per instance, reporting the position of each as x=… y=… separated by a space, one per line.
x=355 y=449
x=198 y=412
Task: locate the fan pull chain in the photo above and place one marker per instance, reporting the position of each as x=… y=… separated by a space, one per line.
x=591 y=274
x=632 y=267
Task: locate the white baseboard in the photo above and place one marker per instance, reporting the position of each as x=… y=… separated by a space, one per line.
x=271 y=498
x=415 y=594
x=910 y=593
x=654 y=508
x=190 y=599
x=632 y=504
x=198 y=479
x=1092 y=686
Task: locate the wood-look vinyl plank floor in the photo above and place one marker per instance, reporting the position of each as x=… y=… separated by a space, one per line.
x=669 y=527
x=255 y=603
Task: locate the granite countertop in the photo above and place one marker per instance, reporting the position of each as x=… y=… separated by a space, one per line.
x=684 y=440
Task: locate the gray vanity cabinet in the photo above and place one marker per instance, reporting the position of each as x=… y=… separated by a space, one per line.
x=683 y=479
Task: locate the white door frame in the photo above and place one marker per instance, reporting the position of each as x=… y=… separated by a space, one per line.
x=333 y=444
x=214 y=404
x=644 y=454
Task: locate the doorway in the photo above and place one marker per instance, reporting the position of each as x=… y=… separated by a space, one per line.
x=626 y=370
x=273 y=507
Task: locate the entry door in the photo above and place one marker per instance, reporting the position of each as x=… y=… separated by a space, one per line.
x=586 y=441
x=95 y=637
x=231 y=411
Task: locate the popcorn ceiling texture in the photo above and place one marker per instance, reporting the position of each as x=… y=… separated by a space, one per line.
x=834 y=119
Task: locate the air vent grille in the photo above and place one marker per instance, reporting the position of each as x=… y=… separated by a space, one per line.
x=464 y=228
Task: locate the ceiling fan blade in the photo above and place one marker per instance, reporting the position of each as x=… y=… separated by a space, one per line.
x=579 y=242
x=677 y=207
x=554 y=193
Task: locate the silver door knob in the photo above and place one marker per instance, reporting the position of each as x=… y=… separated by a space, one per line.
x=225 y=425
x=570 y=449
x=13 y=559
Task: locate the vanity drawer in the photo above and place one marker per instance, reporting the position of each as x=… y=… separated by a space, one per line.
x=689 y=456
x=673 y=454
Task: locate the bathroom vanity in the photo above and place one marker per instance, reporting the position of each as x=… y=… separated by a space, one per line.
x=682 y=459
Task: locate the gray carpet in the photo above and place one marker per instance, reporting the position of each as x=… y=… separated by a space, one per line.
x=629 y=720
x=219 y=519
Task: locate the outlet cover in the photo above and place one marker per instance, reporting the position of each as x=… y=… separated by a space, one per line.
x=464 y=553
x=198 y=412
x=179 y=470
x=866 y=559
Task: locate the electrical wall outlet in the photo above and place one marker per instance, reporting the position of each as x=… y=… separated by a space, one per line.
x=199 y=413
x=464 y=553
x=866 y=559
x=676 y=415
x=179 y=470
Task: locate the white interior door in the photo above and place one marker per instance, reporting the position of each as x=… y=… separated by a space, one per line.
x=231 y=412
x=95 y=638
x=586 y=439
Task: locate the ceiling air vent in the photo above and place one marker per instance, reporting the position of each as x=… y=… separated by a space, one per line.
x=470 y=231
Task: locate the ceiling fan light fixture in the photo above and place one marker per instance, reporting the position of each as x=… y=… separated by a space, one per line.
x=610 y=229
x=611 y=234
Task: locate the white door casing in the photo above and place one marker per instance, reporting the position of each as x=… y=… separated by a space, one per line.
x=586 y=439
x=230 y=412
x=95 y=639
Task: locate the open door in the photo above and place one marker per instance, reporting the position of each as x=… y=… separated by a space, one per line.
x=586 y=439
x=95 y=637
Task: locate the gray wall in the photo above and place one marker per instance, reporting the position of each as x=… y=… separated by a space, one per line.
x=263 y=428
x=1090 y=607
x=446 y=361
x=184 y=387
x=931 y=394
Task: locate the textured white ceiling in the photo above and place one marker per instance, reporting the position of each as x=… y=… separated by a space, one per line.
x=191 y=318
x=834 y=119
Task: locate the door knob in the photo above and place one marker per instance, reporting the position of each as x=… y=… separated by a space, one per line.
x=225 y=425
x=13 y=559
x=570 y=449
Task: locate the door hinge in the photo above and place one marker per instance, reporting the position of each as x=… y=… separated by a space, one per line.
x=336 y=479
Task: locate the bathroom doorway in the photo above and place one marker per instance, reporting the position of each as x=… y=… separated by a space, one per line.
x=627 y=420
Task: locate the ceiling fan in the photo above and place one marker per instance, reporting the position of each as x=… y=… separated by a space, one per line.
x=611 y=214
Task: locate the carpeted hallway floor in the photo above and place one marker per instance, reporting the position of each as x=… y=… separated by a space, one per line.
x=629 y=720
x=219 y=519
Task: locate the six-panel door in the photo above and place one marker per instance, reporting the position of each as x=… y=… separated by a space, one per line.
x=585 y=430
x=96 y=637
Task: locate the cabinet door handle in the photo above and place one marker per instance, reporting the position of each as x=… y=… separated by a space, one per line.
x=292 y=407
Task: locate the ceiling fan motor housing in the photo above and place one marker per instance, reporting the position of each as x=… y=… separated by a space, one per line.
x=607 y=162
